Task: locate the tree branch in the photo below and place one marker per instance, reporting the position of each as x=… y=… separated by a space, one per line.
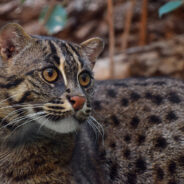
x=128 y=21
x=143 y=23
x=111 y=36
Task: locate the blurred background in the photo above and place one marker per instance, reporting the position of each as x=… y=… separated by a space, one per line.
x=142 y=37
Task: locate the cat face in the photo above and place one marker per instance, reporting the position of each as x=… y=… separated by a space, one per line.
x=47 y=80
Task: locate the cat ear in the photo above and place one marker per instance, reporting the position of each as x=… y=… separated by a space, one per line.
x=93 y=48
x=12 y=40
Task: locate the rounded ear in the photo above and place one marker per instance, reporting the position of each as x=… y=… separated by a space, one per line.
x=93 y=48
x=12 y=40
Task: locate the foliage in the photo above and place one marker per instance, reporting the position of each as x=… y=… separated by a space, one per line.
x=56 y=20
x=170 y=6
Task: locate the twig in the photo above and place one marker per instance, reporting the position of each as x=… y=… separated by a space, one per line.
x=51 y=8
x=128 y=21
x=111 y=36
x=143 y=23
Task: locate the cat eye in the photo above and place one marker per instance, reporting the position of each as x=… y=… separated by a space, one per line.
x=50 y=74
x=84 y=79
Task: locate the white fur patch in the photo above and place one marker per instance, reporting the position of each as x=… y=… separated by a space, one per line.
x=65 y=125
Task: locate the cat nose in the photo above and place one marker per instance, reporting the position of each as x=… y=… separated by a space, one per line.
x=77 y=102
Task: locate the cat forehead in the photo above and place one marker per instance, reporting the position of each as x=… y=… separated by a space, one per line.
x=62 y=53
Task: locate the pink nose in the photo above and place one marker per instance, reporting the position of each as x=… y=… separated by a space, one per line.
x=77 y=102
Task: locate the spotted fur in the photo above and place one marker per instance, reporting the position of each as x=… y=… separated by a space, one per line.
x=143 y=130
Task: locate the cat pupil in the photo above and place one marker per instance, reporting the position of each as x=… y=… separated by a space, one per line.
x=84 y=77
x=50 y=72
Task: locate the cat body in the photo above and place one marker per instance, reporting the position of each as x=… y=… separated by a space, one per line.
x=143 y=123
x=50 y=113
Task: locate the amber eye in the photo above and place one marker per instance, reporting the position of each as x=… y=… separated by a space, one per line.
x=50 y=74
x=84 y=79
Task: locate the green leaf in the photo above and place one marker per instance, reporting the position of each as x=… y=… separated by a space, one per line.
x=170 y=6
x=57 y=19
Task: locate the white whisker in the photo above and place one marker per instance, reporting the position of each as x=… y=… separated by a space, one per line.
x=98 y=126
x=26 y=122
x=14 y=113
x=94 y=129
x=44 y=122
x=22 y=118
x=8 y=98
x=21 y=105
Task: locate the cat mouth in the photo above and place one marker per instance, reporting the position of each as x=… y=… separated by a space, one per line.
x=60 y=120
x=57 y=113
x=55 y=118
x=80 y=116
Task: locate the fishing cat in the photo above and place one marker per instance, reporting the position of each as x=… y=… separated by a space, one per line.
x=49 y=104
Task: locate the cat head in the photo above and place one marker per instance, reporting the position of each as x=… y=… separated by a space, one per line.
x=47 y=80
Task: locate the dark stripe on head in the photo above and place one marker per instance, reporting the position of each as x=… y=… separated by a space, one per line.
x=10 y=78
x=33 y=84
x=44 y=49
x=24 y=97
x=52 y=47
x=76 y=52
x=11 y=84
x=66 y=52
x=56 y=59
x=55 y=107
x=73 y=48
x=30 y=72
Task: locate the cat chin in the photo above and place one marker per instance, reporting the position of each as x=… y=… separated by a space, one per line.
x=65 y=125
